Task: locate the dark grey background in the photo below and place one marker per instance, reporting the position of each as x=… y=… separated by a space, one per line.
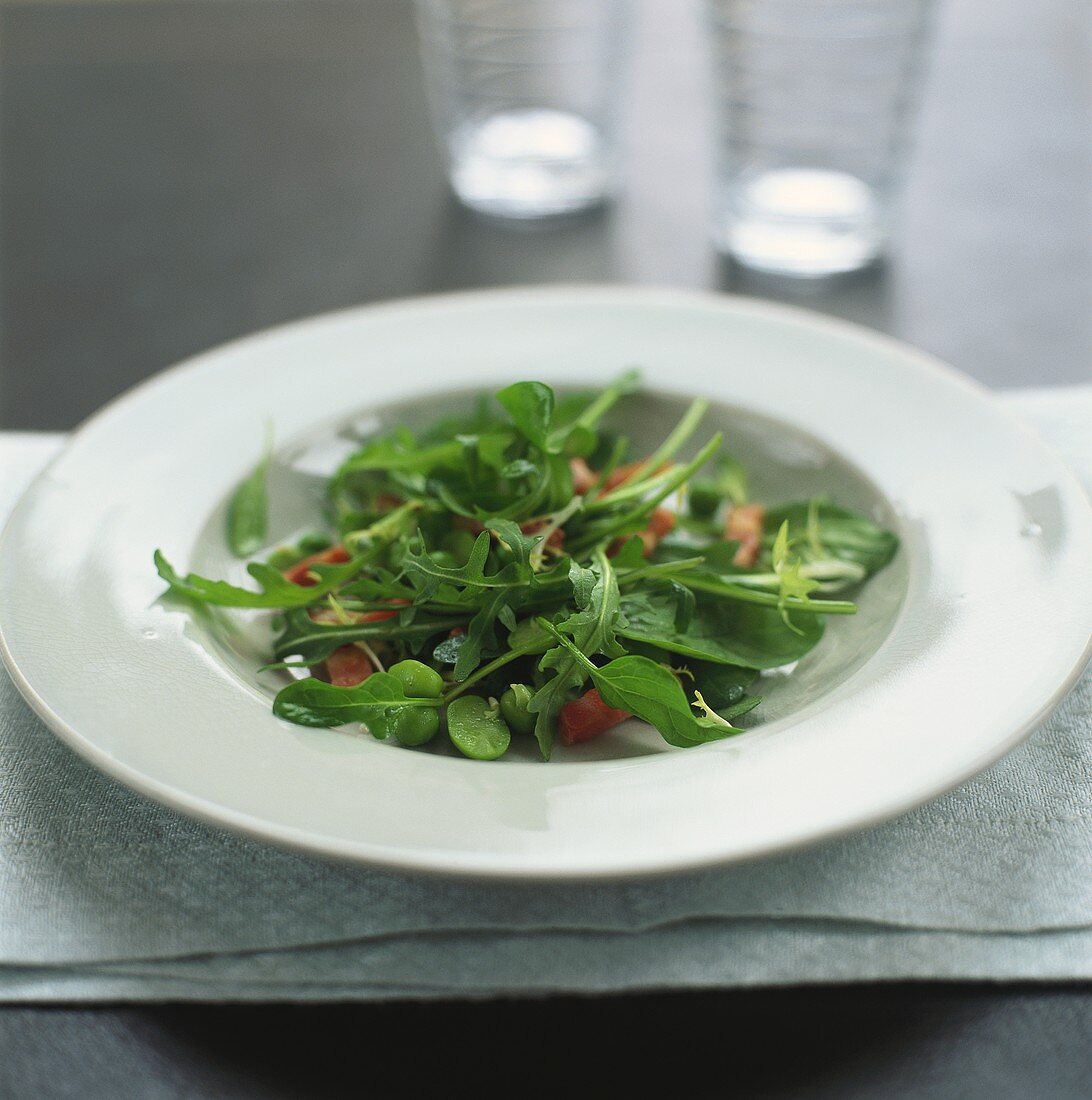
x=174 y=174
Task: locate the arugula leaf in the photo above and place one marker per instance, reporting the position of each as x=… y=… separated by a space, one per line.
x=531 y=407
x=583 y=581
x=248 y=510
x=481 y=634
x=592 y=628
x=377 y=700
x=302 y=637
x=651 y=692
x=632 y=520
x=426 y=574
x=511 y=539
x=276 y=591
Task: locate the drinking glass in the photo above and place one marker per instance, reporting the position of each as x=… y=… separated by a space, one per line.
x=523 y=97
x=812 y=105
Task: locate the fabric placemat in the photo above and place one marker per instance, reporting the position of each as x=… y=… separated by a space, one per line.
x=106 y=896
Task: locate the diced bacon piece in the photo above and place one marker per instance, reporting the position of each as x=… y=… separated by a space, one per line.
x=301 y=574
x=387 y=502
x=660 y=523
x=628 y=472
x=743 y=524
x=555 y=540
x=465 y=523
x=584 y=477
x=587 y=717
x=348 y=666
x=621 y=474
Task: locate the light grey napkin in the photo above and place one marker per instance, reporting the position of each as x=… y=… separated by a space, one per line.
x=104 y=895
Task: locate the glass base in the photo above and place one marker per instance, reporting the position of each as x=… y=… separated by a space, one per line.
x=804 y=222
x=529 y=163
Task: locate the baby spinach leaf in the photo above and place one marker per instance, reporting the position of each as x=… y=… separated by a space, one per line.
x=721 y=631
x=315 y=703
x=518 y=468
x=248 y=510
x=685 y=604
x=401 y=453
x=723 y=686
x=531 y=407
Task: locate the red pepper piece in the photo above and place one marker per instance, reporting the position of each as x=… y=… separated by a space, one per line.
x=348 y=666
x=300 y=573
x=382 y=616
x=587 y=717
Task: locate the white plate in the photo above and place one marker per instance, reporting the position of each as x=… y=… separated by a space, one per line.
x=962 y=646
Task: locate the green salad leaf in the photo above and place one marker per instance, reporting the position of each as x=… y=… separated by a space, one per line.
x=248 y=509
x=519 y=563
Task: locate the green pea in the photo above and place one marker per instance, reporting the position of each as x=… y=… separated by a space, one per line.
x=284 y=557
x=381 y=726
x=513 y=708
x=476 y=728
x=314 y=542
x=417 y=679
x=416 y=725
x=704 y=498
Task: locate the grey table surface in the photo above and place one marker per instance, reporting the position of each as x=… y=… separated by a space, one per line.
x=175 y=173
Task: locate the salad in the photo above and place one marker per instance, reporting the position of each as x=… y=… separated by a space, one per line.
x=517 y=572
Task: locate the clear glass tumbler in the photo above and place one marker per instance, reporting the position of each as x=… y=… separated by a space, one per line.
x=523 y=94
x=812 y=105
